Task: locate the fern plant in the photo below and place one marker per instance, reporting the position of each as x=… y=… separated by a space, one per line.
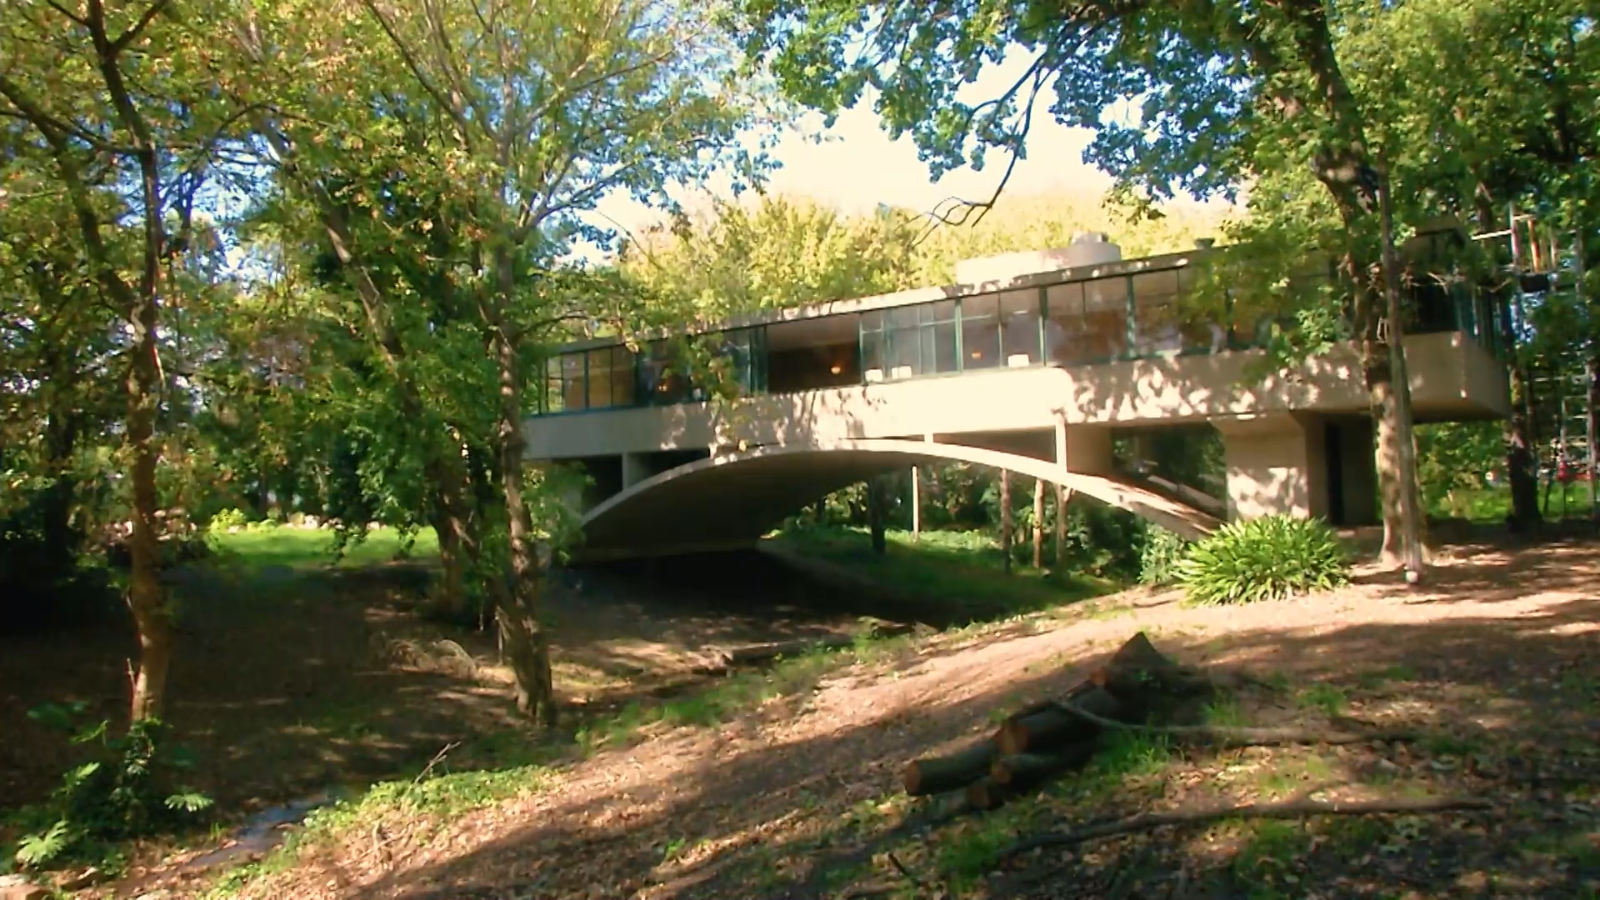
x=1264 y=559
x=1160 y=555
x=128 y=792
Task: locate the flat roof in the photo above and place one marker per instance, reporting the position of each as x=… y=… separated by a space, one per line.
x=910 y=297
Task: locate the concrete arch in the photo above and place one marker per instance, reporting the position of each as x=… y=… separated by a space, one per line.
x=732 y=500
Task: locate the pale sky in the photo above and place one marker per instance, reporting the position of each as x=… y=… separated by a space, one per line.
x=857 y=166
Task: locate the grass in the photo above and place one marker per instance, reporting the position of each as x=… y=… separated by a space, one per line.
x=304 y=548
x=952 y=573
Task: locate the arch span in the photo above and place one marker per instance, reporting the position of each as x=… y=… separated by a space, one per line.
x=734 y=499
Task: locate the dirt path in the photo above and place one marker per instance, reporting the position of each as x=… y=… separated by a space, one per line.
x=1504 y=643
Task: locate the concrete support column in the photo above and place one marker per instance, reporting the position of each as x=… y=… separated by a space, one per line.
x=1276 y=465
x=1086 y=449
x=635 y=468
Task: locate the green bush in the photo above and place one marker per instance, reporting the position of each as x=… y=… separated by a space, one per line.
x=128 y=791
x=1264 y=559
x=1159 y=558
x=230 y=518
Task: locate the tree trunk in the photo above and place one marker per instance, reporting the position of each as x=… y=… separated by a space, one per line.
x=522 y=636
x=1005 y=520
x=1524 y=516
x=1062 y=496
x=151 y=615
x=457 y=548
x=1038 y=523
x=880 y=540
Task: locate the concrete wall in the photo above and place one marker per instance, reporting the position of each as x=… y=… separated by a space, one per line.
x=1451 y=377
x=1275 y=464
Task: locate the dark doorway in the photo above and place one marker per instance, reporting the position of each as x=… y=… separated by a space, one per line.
x=1333 y=455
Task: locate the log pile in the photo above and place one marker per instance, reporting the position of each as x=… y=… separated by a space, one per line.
x=1042 y=741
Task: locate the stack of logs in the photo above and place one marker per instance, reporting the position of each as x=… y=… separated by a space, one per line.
x=1047 y=739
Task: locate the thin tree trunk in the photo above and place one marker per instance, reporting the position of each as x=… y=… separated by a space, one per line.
x=916 y=503
x=151 y=615
x=1005 y=520
x=1410 y=501
x=522 y=635
x=875 y=524
x=1062 y=495
x=1524 y=517
x=1038 y=523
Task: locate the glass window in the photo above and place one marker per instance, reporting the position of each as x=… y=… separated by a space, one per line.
x=1065 y=338
x=623 y=386
x=1019 y=316
x=980 y=332
x=904 y=342
x=1105 y=318
x=572 y=382
x=553 y=399
x=599 y=378
x=1155 y=315
x=874 y=352
x=663 y=375
x=939 y=352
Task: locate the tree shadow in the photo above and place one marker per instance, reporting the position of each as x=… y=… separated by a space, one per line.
x=755 y=808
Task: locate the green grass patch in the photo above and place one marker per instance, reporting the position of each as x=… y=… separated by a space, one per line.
x=1330 y=699
x=303 y=548
x=956 y=576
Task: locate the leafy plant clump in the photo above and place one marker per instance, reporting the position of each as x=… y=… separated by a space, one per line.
x=1159 y=558
x=1264 y=559
x=129 y=791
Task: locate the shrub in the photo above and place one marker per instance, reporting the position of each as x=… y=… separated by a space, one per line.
x=229 y=518
x=1158 y=560
x=127 y=792
x=1264 y=559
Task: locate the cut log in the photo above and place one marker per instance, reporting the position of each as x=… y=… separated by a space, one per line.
x=937 y=774
x=1140 y=675
x=1054 y=726
x=1024 y=770
x=987 y=793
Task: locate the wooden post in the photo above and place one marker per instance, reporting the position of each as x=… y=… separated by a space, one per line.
x=916 y=503
x=1005 y=519
x=1038 y=523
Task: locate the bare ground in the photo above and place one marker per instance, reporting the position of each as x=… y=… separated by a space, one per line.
x=1496 y=659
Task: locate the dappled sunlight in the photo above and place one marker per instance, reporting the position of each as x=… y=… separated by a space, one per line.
x=803 y=792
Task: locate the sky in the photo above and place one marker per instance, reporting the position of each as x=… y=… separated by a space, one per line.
x=856 y=166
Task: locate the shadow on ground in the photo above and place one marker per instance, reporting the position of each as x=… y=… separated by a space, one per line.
x=775 y=808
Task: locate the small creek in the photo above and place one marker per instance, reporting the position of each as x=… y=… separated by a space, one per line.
x=261 y=832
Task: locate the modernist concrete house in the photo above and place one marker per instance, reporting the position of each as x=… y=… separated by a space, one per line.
x=1031 y=364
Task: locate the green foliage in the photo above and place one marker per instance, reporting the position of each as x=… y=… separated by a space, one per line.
x=1454 y=460
x=1264 y=559
x=1158 y=560
x=129 y=791
x=232 y=517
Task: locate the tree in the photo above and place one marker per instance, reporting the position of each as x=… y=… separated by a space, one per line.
x=125 y=150
x=1223 y=92
x=480 y=136
x=774 y=254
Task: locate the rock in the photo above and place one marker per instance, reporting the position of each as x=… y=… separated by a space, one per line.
x=18 y=887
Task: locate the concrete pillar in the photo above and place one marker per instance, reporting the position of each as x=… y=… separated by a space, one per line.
x=635 y=468
x=1276 y=464
x=1087 y=449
